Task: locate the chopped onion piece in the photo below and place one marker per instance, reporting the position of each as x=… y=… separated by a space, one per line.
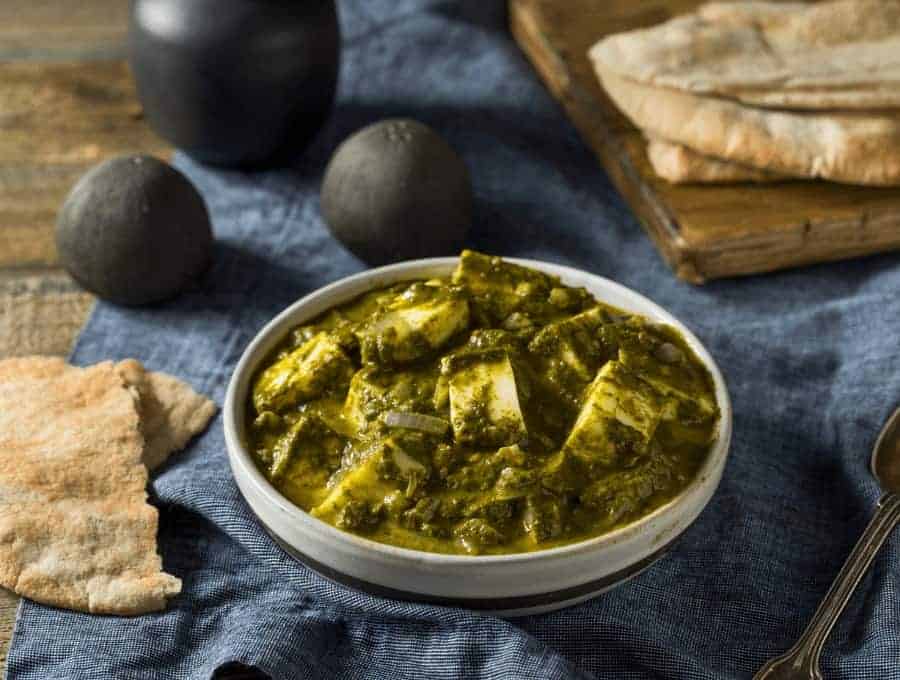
x=416 y=421
x=406 y=463
x=669 y=353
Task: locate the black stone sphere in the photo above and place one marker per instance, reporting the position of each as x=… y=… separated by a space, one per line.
x=395 y=190
x=134 y=230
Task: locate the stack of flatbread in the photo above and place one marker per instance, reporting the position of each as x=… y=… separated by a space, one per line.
x=762 y=91
x=76 y=444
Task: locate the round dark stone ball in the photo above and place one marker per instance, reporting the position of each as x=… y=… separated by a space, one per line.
x=134 y=230
x=395 y=190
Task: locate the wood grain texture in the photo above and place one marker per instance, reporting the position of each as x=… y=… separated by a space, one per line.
x=703 y=232
x=9 y=603
x=54 y=29
x=40 y=314
x=56 y=121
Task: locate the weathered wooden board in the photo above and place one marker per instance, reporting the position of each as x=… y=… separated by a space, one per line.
x=9 y=603
x=54 y=29
x=703 y=232
x=56 y=121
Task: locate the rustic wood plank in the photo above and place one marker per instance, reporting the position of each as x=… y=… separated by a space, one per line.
x=703 y=232
x=9 y=603
x=30 y=195
x=40 y=314
x=56 y=121
x=50 y=29
x=69 y=112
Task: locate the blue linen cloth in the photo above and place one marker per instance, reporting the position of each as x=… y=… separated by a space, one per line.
x=812 y=358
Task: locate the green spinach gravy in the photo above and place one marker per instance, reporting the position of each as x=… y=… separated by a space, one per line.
x=497 y=411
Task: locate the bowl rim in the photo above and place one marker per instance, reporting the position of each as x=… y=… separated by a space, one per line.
x=241 y=460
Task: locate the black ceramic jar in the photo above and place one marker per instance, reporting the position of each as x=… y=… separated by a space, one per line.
x=236 y=82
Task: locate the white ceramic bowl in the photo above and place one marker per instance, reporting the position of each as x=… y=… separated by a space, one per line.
x=510 y=585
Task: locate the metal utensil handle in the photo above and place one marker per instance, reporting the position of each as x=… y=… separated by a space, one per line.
x=809 y=646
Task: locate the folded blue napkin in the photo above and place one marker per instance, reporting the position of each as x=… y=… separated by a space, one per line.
x=812 y=359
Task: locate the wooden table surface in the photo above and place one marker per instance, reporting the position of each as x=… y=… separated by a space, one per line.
x=66 y=102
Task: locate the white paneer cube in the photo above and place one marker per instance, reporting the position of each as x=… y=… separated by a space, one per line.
x=406 y=333
x=619 y=416
x=484 y=401
x=681 y=381
x=361 y=483
x=360 y=407
x=303 y=374
x=568 y=342
x=383 y=470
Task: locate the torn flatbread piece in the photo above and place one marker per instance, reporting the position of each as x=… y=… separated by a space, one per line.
x=76 y=530
x=171 y=412
x=843 y=147
x=680 y=165
x=815 y=56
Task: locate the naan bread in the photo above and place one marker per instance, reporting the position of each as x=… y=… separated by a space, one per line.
x=843 y=147
x=833 y=55
x=171 y=412
x=679 y=165
x=76 y=530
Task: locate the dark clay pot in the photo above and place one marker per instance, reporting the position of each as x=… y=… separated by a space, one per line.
x=236 y=82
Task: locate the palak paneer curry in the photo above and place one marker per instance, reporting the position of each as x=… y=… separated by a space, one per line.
x=495 y=411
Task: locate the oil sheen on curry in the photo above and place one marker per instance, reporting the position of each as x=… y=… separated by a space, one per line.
x=495 y=411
